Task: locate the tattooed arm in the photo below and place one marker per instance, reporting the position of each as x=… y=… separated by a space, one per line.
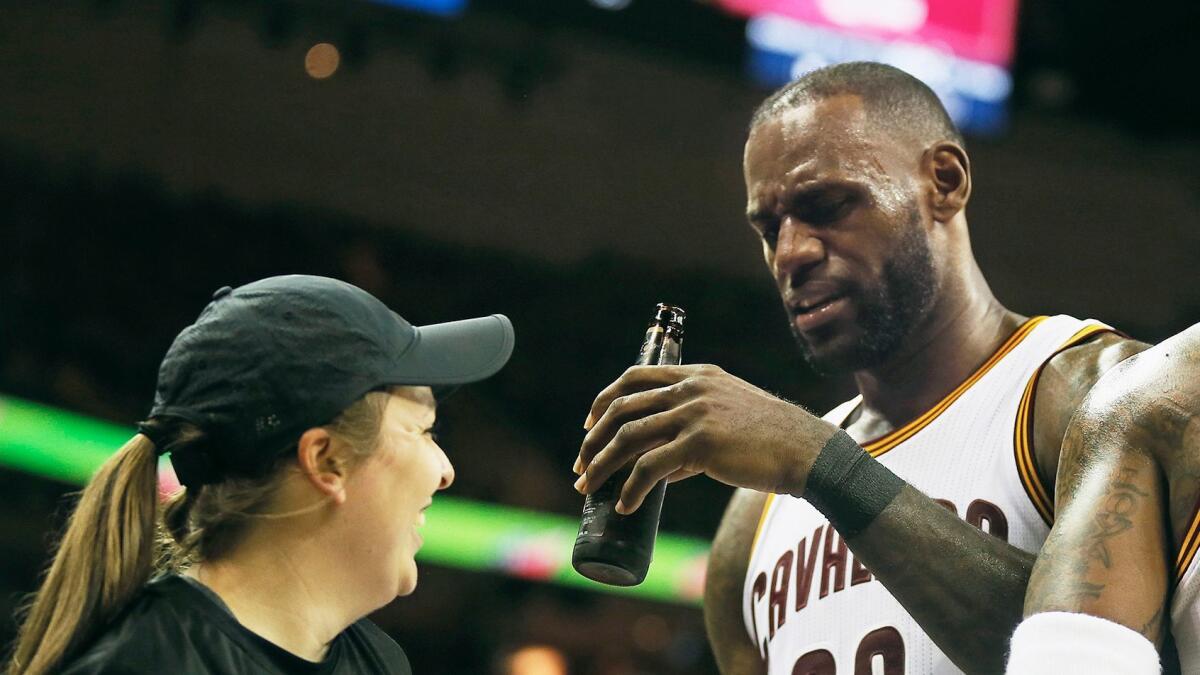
x=1109 y=553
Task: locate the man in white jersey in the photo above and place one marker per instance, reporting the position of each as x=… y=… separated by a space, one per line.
x=1124 y=545
x=857 y=184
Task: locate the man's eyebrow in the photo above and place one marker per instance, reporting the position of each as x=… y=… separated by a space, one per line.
x=798 y=195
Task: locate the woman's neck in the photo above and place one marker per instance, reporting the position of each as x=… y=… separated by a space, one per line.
x=282 y=591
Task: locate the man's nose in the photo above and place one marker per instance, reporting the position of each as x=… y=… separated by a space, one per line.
x=796 y=248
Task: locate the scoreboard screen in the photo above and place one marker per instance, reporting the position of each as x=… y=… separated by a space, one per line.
x=961 y=48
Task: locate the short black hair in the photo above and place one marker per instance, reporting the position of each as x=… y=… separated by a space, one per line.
x=894 y=99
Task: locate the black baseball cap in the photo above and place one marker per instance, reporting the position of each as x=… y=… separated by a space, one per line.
x=266 y=361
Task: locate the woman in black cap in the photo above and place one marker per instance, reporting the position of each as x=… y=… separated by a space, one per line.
x=297 y=412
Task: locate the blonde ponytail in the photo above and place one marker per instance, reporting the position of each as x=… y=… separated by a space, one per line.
x=105 y=556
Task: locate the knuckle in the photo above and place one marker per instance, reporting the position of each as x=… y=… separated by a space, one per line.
x=621 y=437
x=641 y=472
x=594 y=469
x=618 y=404
x=636 y=473
x=626 y=433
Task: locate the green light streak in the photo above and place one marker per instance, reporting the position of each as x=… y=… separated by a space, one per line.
x=459 y=533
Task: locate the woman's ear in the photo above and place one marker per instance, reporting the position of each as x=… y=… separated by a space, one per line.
x=322 y=464
x=948 y=170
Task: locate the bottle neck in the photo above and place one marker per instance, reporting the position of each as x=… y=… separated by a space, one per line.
x=671 y=354
x=651 y=349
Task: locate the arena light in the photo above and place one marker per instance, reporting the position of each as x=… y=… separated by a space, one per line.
x=442 y=8
x=322 y=61
x=459 y=533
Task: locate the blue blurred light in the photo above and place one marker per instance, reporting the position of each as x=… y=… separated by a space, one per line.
x=444 y=8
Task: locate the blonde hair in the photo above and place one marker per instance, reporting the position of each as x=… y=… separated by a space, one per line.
x=118 y=535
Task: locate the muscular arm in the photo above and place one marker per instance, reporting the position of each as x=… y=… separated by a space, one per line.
x=1107 y=554
x=963 y=586
x=727 y=564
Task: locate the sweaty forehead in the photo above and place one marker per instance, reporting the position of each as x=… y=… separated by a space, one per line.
x=827 y=139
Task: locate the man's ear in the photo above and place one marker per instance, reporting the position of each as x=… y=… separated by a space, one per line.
x=321 y=464
x=948 y=170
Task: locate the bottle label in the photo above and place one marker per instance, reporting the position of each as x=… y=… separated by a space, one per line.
x=599 y=508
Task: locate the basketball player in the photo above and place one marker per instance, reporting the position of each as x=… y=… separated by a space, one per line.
x=900 y=529
x=1128 y=526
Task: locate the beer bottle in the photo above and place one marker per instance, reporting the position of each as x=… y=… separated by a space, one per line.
x=612 y=548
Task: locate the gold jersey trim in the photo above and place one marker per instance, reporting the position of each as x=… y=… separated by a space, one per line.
x=1191 y=542
x=894 y=438
x=890 y=440
x=762 y=519
x=1023 y=445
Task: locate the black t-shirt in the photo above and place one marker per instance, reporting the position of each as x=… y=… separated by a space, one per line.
x=177 y=625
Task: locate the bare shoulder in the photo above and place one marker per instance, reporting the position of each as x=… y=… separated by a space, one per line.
x=1153 y=394
x=724 y=581
x=1151 y=403
x=1063 y=386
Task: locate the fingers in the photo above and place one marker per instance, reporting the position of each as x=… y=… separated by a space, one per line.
x=633 y=380
x=682 y=474
x=662 y=462
x=624 y=411
x=630 y=440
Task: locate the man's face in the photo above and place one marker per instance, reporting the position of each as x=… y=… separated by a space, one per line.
x=836 y=204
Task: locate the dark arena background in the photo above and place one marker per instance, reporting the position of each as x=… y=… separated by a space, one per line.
x=569 y=163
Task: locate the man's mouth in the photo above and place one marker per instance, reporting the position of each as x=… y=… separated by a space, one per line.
x=811 y=313
x=814 y=304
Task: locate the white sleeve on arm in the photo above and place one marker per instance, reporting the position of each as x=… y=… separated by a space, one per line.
x=1064 y=643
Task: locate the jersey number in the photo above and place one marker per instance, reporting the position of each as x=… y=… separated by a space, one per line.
x=882 y=645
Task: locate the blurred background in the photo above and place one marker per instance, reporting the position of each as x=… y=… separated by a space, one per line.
x=569 y=163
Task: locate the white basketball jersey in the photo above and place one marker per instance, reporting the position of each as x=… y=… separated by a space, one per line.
x=1185 y=610
x=811 y=607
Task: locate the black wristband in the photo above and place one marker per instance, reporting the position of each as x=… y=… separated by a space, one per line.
x=848 y=486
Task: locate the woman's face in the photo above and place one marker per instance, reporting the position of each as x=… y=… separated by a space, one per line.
x=387 y=494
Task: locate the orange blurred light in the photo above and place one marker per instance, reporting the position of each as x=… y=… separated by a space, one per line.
x=322 y=60
x=537 y=660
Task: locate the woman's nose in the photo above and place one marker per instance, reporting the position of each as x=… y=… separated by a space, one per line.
x=447 y=472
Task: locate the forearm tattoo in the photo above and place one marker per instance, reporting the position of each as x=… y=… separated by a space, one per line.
x=1060 y=580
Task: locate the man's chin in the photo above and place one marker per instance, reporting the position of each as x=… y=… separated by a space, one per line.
x=829 y=366
x=831 y=356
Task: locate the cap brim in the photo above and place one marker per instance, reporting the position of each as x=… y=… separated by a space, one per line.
x=457 y=352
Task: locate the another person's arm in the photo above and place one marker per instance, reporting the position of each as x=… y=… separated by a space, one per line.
x=723 y=583
x=1130 y=465
x=963 y=587
x=1107 y=557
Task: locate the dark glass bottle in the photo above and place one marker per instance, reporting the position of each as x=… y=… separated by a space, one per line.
x=612 y=548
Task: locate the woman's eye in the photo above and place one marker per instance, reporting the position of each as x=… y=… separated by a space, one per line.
x=434 y=432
